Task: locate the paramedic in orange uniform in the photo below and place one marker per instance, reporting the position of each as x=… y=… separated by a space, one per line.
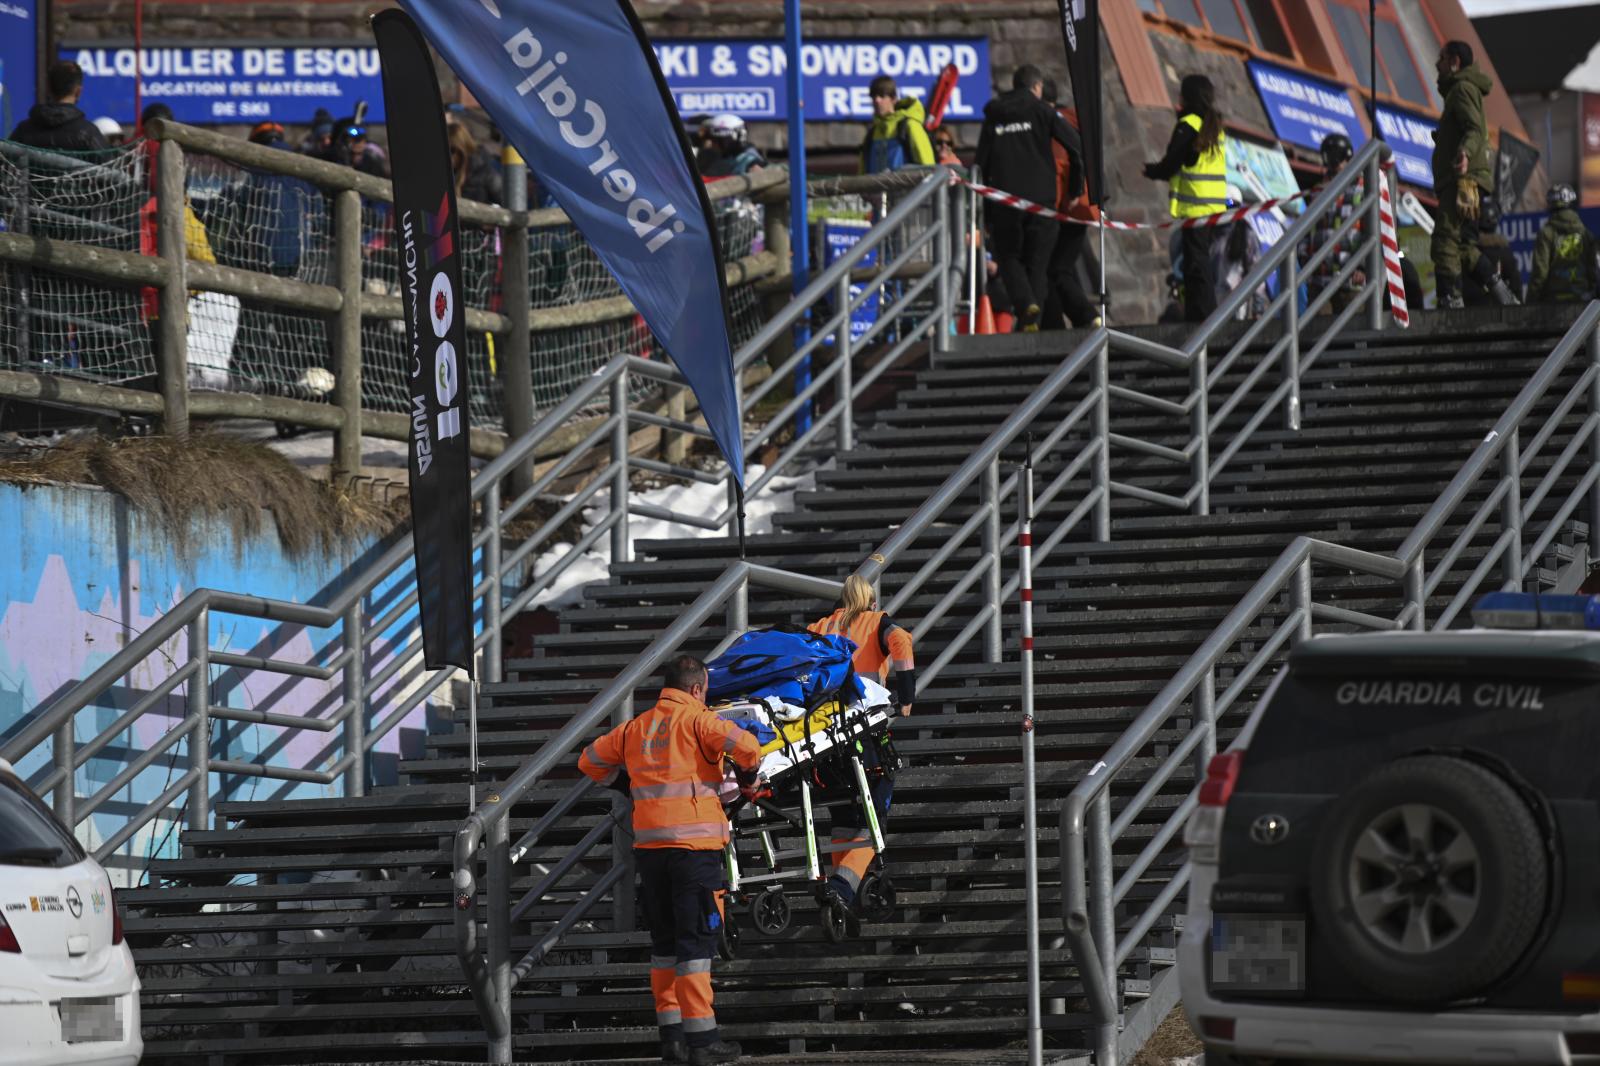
x=881 y=644
x=672 y=755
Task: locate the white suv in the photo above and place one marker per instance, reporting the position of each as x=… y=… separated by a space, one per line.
x=69 y=995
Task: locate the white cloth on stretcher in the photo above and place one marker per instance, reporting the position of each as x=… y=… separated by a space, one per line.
x=873 y=709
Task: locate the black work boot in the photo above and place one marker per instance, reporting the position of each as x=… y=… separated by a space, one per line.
x=706 y=1055
x=1449 y=292
x=674 y=1048
x=1483 y=273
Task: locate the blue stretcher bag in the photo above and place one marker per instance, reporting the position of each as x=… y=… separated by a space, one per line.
x=801 y=668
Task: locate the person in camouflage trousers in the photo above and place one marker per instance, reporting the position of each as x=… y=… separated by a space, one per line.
x=1463 y=172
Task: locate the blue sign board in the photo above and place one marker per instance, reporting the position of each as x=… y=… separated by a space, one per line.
x=839 y=235
x=232 y=85
x=1304 y=109
x=19 y=63
x=745 y=77
x=1522 y=230
x=1411 y=138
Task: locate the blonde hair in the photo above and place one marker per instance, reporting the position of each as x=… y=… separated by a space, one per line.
x=857 y=598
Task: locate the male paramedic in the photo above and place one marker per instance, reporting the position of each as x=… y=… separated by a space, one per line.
x=672 y=758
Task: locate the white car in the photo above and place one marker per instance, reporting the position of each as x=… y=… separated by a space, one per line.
x=69 y=994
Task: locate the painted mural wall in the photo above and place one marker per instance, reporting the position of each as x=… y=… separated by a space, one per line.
x=84 y=573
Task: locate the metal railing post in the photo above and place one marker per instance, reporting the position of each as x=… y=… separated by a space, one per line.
x=990 y=502
x=1300 y=599
x=1511 y=508
x=1594 y=448
x=619 y=467
x=64 y=800
x=845 y=351
x=1102 y=920
x=975 y=264
x=498 y=877
x=355 y=696
x=1416 y=586
x=1205 y=718
x=172 y=333
x=1101 y=425
x=347 y=334
x=739 y=608
x=1375 y=286
x=494 y=661
x=942 y=289
x=1291 y=358
x=1200 y=433
x=515 y=362
x=200 y=717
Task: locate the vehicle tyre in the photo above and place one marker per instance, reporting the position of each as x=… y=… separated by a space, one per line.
x=876 y=900
x=1430 y=879
x=771 y=911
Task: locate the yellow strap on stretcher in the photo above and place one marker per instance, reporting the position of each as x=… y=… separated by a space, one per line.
x=798 y=730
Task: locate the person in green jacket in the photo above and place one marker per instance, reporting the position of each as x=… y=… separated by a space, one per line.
x=1564 y=267
x=1463 y=172
x=896 y=137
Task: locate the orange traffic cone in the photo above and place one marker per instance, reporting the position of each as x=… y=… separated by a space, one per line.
x=985 y=316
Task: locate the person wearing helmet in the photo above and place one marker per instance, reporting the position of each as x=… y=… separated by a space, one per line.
x=728 y=151
x=1336 y=151
x=1564 y=268
x=1497 y=250
x=1463 y=173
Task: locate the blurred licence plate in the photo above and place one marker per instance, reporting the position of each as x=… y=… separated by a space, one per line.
x=1258 y=953
x=91 y=1021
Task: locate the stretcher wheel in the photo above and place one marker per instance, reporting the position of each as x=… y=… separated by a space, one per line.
x=876 y=900
x=835 y=915
x=771 y=911
x=728 y=938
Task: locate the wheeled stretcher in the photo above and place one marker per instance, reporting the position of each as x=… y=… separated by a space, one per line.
x=826 y=758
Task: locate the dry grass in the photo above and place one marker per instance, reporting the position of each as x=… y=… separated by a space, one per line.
x=1172 y=1040
x=179 y=484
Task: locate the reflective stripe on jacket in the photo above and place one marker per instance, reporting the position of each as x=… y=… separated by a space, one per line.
x=1201 y=189
x=673 y=756
x=876 y=650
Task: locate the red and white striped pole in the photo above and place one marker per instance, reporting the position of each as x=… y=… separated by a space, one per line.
x=1030 y=813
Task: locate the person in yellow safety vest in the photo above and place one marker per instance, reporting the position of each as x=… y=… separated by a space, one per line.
x=881 y=645
x=1196 y=165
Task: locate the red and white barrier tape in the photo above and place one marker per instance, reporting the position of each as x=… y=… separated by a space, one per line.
x=1000 y=196
x=1393 y=278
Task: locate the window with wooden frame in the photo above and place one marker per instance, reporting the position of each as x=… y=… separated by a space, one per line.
x=1403 y=76
x=1257 y=24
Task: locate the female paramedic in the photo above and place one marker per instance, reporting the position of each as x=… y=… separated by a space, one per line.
x=880 y=644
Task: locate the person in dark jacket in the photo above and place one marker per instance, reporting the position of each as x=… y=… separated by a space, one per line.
x=1015 y=154
x=1564 y=267
x=1494 y=247
x=1463 y=173
x=1196 y=165
x=60 y=125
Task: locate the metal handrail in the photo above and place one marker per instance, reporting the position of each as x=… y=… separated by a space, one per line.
x=353 y=663
x=492 y=979
x=1088 y=832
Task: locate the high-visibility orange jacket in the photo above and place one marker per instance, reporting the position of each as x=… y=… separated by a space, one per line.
x=673 y=755
x=879 y=642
